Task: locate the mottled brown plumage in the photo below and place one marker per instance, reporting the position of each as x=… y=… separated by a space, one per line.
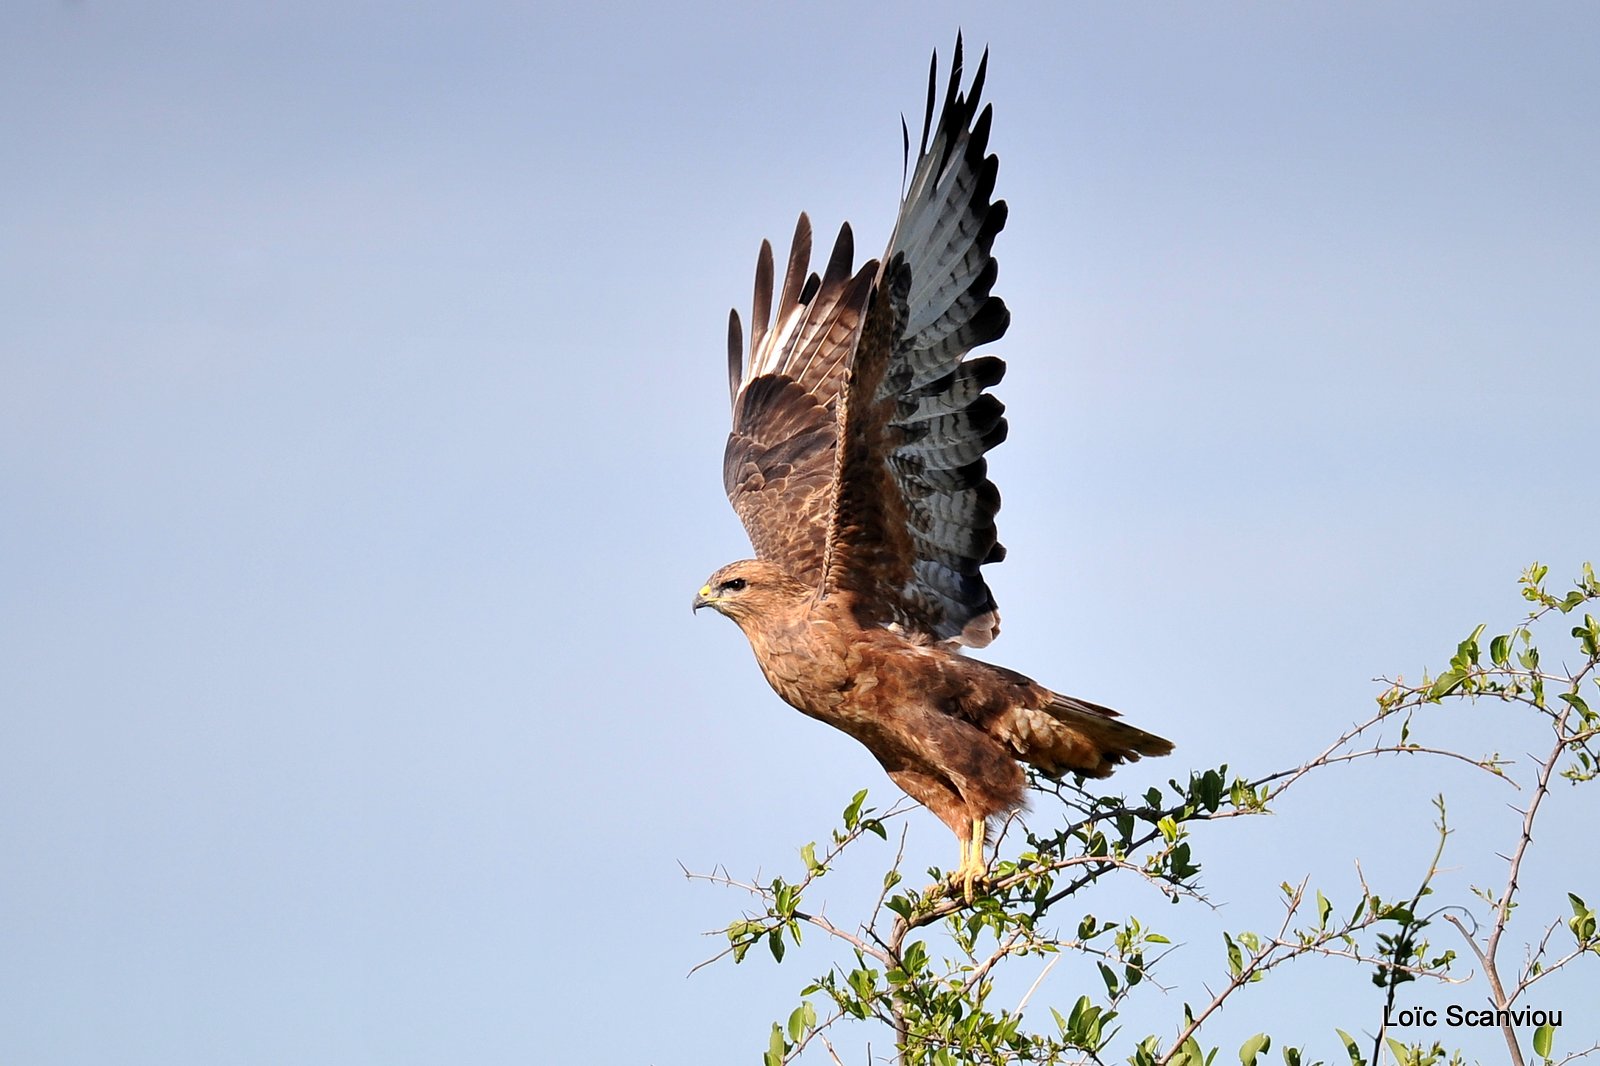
x=856 y=463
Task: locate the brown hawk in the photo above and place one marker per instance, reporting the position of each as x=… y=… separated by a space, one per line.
x=856 y=463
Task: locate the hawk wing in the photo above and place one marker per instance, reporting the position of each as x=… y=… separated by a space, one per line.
x=778 y=467
x=912 y=516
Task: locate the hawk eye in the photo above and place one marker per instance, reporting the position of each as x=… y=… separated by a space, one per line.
x=733 y=584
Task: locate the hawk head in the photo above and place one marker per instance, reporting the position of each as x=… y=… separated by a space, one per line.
x=751 y=588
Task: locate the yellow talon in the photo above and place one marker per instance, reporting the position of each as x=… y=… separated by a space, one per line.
x=973 y=868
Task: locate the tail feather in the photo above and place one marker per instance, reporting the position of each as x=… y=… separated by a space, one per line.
x=1073 y=735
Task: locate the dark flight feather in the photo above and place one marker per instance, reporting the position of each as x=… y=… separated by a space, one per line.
x=902 y=517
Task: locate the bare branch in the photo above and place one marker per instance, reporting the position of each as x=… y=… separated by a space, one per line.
x=1258 y=963
x=1494 y=984
x=1037 y=981
x=1574 y=1056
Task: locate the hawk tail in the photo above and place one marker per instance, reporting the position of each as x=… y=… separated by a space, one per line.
x=1086 y=738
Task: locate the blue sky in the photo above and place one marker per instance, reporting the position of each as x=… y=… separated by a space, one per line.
x=360 y=446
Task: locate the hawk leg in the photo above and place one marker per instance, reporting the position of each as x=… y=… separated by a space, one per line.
x=973 y=868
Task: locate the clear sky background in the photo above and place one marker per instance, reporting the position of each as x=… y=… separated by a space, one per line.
x=362 y=405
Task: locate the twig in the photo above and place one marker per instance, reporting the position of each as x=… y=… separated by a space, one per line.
x=1403 y=941
x=1487 y=954
x=1525 y=837
x=1037 y=981
x=1573 y=1056
x=1246 y=972
x=816 y=1034
x=1494 y=984
x=849 y=938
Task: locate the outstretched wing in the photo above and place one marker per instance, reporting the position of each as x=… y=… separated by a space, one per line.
x=913 y=513
x=778 y=467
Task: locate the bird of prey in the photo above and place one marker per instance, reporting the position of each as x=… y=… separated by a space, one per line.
x=856 y=463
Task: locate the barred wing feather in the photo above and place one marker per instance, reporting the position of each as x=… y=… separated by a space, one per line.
x=779 y=464
x=913 y=509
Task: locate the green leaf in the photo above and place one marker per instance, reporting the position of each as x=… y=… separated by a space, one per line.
x=1445 y=684
x=1109 y=977
x=808 y=855
x=1588 y=636
x=1582 y=922
x=1500 y=650
x=801 y=1021
x=1235 y=956
x=1543 y=1038
x=1351 y=1048
x=1253 y=1047
x=775 y=1048
x=1189 y=1053
x=852 y=813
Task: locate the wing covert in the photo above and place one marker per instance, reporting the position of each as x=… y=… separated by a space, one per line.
x=778 y=466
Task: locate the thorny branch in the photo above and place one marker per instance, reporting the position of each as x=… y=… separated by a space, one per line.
x=1488 y=953
x=1259 y=963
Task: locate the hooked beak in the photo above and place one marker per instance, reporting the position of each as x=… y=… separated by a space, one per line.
x=704 y=598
